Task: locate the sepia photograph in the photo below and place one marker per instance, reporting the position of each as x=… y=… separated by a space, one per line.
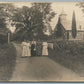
x=41 y=41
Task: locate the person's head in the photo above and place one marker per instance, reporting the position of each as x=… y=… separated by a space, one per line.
x=24 y=40
x=27 y=41
x=32 y=42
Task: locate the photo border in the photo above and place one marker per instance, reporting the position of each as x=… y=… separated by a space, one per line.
x=59 y=82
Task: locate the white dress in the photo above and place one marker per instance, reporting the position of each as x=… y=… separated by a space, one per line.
x=50 y=45
x=28 y=49
x=45 y=49
x=24 y=49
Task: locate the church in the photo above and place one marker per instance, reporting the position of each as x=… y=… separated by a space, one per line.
x=63 y=28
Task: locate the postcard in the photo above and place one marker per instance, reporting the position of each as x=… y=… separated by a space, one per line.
x=41 y=41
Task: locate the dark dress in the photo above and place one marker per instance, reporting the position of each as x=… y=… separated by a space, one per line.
x=39 y=48
x=33 y=50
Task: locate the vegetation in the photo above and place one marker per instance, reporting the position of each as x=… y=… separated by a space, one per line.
x=31 y=22
x=81 y=5
x=7 y=61
x=74 y=31
x=71 y=56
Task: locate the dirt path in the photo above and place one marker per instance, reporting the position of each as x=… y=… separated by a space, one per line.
x=40 y=69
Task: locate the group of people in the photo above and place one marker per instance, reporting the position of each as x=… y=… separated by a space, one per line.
x=34 y=48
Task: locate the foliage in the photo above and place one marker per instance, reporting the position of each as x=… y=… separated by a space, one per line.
x=6 y=12
x=7 y=61
x=32 y=20
x=81 y=5
x=3 y=39
x=71 y=56
x=74 y=31
x=2 y=23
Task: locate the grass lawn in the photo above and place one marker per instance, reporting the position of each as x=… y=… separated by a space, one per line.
x=70 y=55
x=7 y=61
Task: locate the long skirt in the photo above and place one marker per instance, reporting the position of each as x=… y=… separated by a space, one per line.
x=33 y=52
x=44 y=51
x=24 y=51
x=28 y=51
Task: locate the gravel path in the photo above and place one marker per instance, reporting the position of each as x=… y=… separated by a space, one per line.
x=40 y=69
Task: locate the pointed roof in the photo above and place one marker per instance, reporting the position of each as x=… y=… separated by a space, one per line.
x=63 y=13
x=59 y=25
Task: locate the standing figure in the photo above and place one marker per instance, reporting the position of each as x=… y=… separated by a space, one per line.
x=24 y=49
x=28 y=49
x=33 y=48
x=39 y=48
x=50 y=45
x=45 y=49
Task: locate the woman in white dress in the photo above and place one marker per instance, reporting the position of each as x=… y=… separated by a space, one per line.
x=28 y=49
x=45 y=49
x=24 y=49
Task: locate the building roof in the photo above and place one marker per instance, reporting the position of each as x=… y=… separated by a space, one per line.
x=67 y=24
x=63 y=13
x=59 y=25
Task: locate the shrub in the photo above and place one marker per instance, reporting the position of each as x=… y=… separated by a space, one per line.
x=3 y=39
x=7 y=61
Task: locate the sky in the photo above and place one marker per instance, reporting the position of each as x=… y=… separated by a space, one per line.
x=68 y=8
x=58 y=7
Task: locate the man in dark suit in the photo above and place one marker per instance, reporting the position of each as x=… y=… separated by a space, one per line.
x=33 y=49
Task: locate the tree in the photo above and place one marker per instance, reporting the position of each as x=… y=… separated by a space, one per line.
x=22 y=20
x=32 y=19
x=6 y=12
x=81 y=5
x=74 y=31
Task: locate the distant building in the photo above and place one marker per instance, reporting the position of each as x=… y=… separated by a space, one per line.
x=67 y=28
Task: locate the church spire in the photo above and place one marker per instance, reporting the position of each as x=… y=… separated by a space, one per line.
x=59 y=29
x=63 y=15
x=73 y=25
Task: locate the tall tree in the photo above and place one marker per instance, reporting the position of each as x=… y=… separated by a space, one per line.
x=3 y=21
x=33 y=19
x=74 y=31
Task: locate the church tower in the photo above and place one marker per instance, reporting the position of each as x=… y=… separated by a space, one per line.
x=60 y=29
x=63 y=16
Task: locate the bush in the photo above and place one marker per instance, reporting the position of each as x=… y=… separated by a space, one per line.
x=3 y=39
x=70 y=46
x=7 y=61
x=70 y=55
